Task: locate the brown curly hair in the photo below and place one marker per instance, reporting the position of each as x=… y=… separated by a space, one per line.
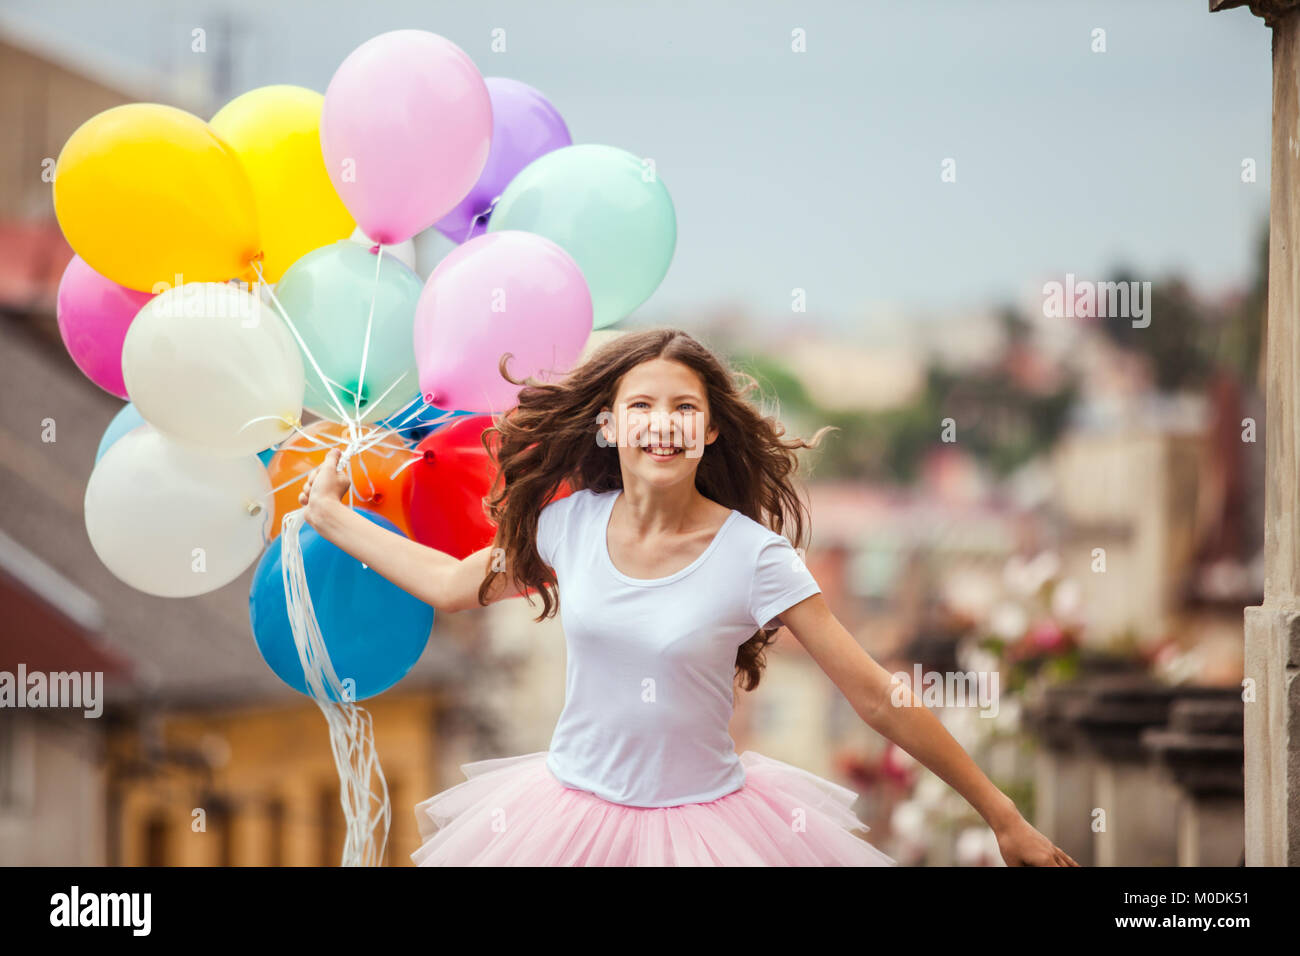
x=545 y=446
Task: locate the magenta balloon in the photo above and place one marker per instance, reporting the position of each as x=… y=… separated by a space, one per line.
x=405 y=131
x=505 y=291
x=524 y=126
x=94 y=314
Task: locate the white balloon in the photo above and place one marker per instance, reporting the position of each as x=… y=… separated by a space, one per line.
x=172 y=521
x=403 y=252
x=215 y=368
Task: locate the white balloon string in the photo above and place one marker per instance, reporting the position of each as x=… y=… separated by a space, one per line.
x=291 y=482
x=351 y=728
x=418 y=401
x=376 y=439
x=266 y=418
x=406 y=464
x=386 y=450
x=409 y=428
x=340 y=386
x=384 y=394
x=421 y=422
x=284 y=314
x=370 y=321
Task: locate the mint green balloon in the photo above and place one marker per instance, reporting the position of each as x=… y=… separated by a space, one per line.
x=607 y=209
x=327 y=294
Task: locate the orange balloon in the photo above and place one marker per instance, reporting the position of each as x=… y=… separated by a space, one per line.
x=373 y=484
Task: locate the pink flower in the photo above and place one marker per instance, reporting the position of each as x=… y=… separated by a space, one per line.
x=1046 y=637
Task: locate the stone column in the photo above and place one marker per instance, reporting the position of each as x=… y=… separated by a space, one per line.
x=1063 y=773
x=1273 y=630
x=1202 y=750
x=1134 y=801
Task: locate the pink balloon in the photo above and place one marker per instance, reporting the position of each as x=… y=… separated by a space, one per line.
x=405 y=131
x=505 y=291
x=94 y=314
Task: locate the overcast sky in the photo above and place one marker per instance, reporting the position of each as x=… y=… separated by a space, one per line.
x=821 y=170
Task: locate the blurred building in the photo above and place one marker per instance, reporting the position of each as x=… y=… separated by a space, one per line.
x=1157 y=505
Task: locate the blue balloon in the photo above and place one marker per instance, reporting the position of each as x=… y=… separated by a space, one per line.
x=374 y=631
x=128 y=418
x=124 y=421
x=414 y=418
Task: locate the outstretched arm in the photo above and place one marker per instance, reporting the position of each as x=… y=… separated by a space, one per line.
x=447 y=584
x=873 y=693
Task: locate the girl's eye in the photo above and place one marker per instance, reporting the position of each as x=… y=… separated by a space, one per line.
x=687 y=405
x=638 y=404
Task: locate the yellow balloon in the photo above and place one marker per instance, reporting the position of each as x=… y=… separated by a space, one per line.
x=275 y=130
x=146 y=193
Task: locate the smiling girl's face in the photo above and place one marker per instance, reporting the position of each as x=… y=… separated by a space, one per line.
x=660 y=422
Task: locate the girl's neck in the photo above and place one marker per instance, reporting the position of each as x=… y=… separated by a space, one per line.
x=672 y=509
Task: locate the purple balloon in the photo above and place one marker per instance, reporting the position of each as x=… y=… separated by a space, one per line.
x=524 y=126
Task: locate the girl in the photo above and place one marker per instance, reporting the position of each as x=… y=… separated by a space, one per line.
x=669 y=552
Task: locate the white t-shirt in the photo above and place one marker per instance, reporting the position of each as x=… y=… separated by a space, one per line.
x=648 y=684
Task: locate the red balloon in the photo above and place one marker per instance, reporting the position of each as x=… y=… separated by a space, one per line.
x=448 y=485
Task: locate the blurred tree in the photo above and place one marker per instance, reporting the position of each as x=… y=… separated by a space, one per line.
x=1000 y=421
x=1004 y=413
x=1177 y=341
x=1189 y=338
x=1241 y=335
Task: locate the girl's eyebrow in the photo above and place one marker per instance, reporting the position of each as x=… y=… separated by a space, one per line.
x=690 y=395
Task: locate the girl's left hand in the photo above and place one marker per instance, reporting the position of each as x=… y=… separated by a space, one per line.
x=1021 y=845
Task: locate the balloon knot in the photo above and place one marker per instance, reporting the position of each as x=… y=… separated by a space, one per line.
x=374 y=250
x=429 y=457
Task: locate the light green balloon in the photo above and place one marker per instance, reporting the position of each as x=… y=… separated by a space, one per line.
x=606 y=208
x=327 y=294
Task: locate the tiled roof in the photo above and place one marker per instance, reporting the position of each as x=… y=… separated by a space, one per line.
x=33 y=256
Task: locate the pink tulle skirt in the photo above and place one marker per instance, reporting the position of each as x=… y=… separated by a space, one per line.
x=514 y=812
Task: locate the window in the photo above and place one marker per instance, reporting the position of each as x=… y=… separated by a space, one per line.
x=17 y=766
x=155 y=840
x=275 y=817
x=329 y=816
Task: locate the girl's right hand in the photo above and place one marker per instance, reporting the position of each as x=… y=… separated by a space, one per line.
x=324 y=489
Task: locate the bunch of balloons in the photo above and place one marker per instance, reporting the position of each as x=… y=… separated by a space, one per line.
x=258 y=287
